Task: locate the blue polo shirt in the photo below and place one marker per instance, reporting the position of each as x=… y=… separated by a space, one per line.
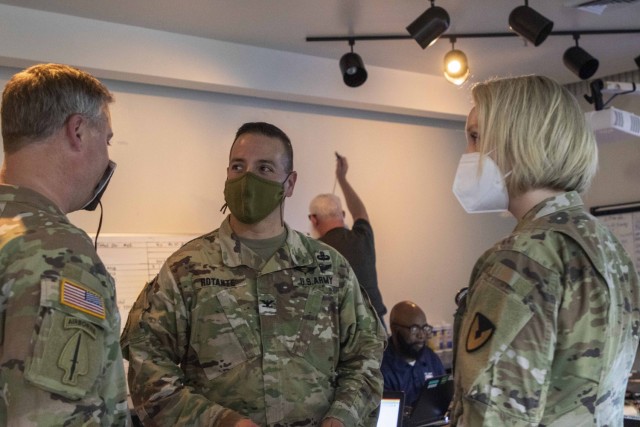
x=401 y=376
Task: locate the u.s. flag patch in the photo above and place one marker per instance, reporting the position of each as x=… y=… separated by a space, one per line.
x=80 y=298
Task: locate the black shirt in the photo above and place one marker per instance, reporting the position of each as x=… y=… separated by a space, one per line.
x=357 y=246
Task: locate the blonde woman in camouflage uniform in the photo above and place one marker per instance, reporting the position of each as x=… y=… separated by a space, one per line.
x=549 y=328
x=255 y=324
x=60 y=362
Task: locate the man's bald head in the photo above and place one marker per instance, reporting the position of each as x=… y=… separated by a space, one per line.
x=407 y=313
x=405 y=316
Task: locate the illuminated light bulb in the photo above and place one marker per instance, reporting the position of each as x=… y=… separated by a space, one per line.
x=456 y=68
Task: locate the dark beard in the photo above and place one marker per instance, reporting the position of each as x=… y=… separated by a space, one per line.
x=409 y=351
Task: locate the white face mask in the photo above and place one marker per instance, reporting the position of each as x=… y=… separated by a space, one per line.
x=480 y=193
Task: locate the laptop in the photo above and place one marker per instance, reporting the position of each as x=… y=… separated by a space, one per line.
x=433 y=402
x=391 y=409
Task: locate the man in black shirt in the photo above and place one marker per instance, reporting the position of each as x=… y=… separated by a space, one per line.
x=356 y=245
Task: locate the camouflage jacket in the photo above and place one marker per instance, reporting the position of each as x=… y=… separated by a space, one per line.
x=550 y=329
x=211 y=340
x=60 y=362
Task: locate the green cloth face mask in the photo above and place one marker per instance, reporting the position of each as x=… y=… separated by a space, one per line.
x=251 y=198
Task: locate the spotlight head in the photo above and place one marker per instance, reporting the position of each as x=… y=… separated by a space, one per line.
x=352 y=68
x=530 y=24
x=429 y=26
x=580 y=62
x=456 y=67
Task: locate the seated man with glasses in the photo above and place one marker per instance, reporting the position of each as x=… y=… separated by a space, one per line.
x=408 y=362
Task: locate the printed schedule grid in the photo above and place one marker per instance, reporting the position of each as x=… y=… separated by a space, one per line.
x=133 y=260
x=626 y=227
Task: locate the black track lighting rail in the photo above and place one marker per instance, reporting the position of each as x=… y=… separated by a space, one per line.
x=524 y=22
x=466 y=35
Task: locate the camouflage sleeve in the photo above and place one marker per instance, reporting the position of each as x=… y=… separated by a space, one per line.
x=154 y=342
x=61 y=363
x=506 y=343
x=542 y=331
x=362 y=337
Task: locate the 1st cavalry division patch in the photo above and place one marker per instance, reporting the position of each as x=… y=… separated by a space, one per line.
x=81 y=298
x=479 y=333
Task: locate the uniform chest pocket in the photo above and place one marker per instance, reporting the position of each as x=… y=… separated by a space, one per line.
x=317 y=338
x=220 y=335
x=311 y=322
x=69 y=341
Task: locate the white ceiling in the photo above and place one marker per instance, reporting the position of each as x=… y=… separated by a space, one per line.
x=285 y=24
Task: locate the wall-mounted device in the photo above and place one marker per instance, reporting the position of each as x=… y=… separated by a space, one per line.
x=612 y=124
x=608 y=123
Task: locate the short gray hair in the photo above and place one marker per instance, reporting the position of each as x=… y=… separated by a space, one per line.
x=39 y=100
x=326 y=206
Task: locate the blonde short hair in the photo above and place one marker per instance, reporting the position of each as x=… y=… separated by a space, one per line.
x=326 y=206
x=534 y=128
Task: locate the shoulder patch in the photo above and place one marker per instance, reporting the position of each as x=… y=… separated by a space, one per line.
x=81 y=298
x=480 y=332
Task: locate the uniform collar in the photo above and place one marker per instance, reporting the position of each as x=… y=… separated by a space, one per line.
x=552 y=205
x=24 y=195
x=292 y=254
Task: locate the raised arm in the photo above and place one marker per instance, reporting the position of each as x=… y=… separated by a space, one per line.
x=354 y=203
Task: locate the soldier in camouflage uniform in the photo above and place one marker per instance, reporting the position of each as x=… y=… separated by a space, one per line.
x=548 y=331
x=60 y=360
x=255 y=324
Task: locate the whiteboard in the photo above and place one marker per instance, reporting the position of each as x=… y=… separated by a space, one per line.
x=624 y=222
x=135 y=259
x=626 y=227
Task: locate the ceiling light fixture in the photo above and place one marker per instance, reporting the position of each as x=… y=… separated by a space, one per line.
x=575 y=58
x=530 y=24
x=579 y=61
x=429 y=26
x=352 y=68
x=456 y=66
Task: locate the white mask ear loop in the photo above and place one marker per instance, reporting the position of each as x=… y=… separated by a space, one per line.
x=505 y=175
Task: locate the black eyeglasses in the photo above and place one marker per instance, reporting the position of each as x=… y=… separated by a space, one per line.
x=413 y=329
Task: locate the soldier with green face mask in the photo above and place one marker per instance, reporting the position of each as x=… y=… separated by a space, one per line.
x=255 y=324
x=251 y=198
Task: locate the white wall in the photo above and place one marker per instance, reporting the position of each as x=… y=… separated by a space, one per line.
x=171 y=145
